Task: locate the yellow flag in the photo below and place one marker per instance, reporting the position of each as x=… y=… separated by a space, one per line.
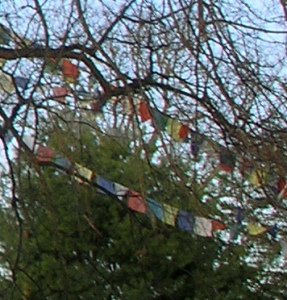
x=6 y=83
x=83 y=172
x=254 y=229
x=169 y=214
x=173 y=127
x=258 y=177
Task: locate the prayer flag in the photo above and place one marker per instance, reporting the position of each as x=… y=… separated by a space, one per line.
x=258 y=177
x=159 y=119
x=217 y=225
x=196 y=143
x=144 y=111
x=5 y=35
x=254 y=229
x=283 y=245
x=185 y=220
x=70 y=71
x=156 y=208
x=282 y=187
x=136 y=202
x=30 y=142
x=173 y=128
x=60 y=93
x=21 y=82
x=203 y=227
x=183 y=131
x=235 y=230
x=273 y=231
x=62 y=162
x=227 y=160
x=44 y=154
x=169 y=214
x=6 y=82
x=106 y=184
x=239 y=215
x=120 y=190
x=83 y=172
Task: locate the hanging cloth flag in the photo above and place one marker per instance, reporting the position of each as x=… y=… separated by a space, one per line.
x=120 y=190
x=44 y=154
x=282 y=187
x=197 y=141
x=83 y=172
x=185 y=220
x=283 y=245
x=235 y=229
x=63 y=162
x=273 y=230
x=106 y=185
x=183 y=132
x=239 y=216
x=5 y=35
x=202 y=227
x=159 y=119
x=258 y=177
x=169 y=214
x=70 y=71
x=156 y=208
x=51 y=65
x=60 y=93
x=173 y=128
x=217 y=225
x=144 y=111
x=6 y=83
x=254 y=229
x=136 y=202
x=21 y=82
x=227 y=160
x=30 y=142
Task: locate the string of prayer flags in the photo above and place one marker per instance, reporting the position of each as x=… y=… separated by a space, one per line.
x=70 y=71
x=60 y=93
x=217 y=225
x=169 y=214
x=44 y=154
x=185 y=220
x=144 y=111
x=83 y=172
x=227 y=160
x=136 y=202
x=255 y=229
x=202 y=227
x=156 y=208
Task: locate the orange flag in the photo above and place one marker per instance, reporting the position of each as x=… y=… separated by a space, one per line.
x=217 y=225
x=70 y=71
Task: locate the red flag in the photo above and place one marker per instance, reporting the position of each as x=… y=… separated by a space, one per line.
x=281 y=184
x=44 y=154
x=136 y=202
x=144 y=112
x=183 y=131
x=217 y=225
x=60 y=93
x=70 y=71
